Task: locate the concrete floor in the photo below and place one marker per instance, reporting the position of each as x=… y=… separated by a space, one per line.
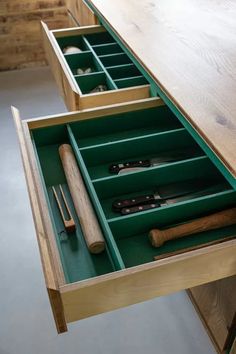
x=162 y=326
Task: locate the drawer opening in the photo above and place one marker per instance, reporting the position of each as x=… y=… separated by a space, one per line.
x=115 y=59
x=96 y=143
x=108 y=49
x=94 y=83
x=83 y=63
x=124 y=126
x=100 y=51
x=99 y=159
x=147 y=182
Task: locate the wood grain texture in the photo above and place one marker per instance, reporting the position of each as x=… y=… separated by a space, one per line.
x=215 y=302
x=147 y=281
x=188 y=47
x=210 y=222
x=20 y=38
x=66 y=118
x=65 y=83
x=88 y=221
x=52 y=268
x=81 y=12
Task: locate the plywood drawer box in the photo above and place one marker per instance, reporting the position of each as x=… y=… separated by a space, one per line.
x=81 y=13
x=81 y=284
x=110 y=66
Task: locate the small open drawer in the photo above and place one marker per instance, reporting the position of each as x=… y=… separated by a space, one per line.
x=81 y=284
x=100 y=64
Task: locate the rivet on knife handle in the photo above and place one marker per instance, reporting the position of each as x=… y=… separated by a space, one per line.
x=139 y=208
x=118 y=167
x=140 y=200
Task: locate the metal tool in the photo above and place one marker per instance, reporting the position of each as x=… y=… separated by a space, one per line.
x=68 y=221
x=138 y=165
x=168 y=191
x=168 y=201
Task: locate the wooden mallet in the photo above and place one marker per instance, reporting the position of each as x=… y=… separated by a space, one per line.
x=88 y=221
x=211 y=222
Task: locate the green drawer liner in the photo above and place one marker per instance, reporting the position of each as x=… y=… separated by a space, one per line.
x=101 y=141
x=98 y=158
x=115 y=59
x=107 y=49
x=83 y=60
x=98 y=53
x=124 y=126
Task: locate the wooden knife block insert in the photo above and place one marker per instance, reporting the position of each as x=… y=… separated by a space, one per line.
x=99 y=142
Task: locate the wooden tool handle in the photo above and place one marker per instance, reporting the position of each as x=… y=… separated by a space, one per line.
x=89 y=223
x=210 y=222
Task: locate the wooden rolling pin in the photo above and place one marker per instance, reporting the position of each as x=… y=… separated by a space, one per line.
x=211 y=222
x=89 y=224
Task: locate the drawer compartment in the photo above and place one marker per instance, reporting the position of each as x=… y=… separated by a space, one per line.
x=99 y=74
x=125 y=273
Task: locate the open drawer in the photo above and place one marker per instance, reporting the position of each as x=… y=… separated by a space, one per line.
x=101 y=64
x=81 y=284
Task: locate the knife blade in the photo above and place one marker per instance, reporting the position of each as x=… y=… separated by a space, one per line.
x=168 y=191
x=136 y=165
x=211 y=190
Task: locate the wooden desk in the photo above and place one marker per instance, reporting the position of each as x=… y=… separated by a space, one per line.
x=189 y=50
x=188 y=47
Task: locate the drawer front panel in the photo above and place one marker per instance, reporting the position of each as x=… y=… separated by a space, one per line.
x=125 y=272
x=100 y=74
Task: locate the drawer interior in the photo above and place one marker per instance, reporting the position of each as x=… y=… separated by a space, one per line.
x=100 y=62
x=101 y=142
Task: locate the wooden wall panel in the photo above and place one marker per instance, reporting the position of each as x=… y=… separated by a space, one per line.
x=20 y=33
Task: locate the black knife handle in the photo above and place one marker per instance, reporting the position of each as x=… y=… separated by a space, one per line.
x=139 y=208
x=120 y=166
x=126 y=203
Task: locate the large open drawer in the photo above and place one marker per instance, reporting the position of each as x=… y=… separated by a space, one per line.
x=111 y=67
x=80 y=284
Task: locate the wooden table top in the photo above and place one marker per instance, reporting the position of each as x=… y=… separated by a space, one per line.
x=189 y=48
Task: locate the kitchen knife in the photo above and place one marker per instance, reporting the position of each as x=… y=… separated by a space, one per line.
x=166 y=157
x=210 y=190
x=168 y=191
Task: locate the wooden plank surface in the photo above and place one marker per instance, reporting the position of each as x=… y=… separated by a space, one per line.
x=188 y=47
